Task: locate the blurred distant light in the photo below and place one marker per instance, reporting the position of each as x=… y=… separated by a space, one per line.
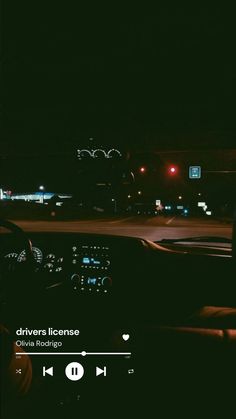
x=142 y=169
x=94 y=153
x=41 y=188
x=98 y=153
x=180 y=197
x=172 y=170
x=185 y=211
x=129 y=196
x=205 y=208
x=139 y=192
x=208 y=212
x=201 y=204
x=114 y=153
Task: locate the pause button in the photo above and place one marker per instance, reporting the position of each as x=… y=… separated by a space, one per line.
x=74 y=371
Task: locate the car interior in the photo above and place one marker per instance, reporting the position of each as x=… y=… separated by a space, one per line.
x=117 y=211
x=175 y=304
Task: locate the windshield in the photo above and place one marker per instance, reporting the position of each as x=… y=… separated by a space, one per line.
x=149 y=195
x=120 y=126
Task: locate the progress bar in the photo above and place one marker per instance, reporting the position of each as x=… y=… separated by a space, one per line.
x=83 y=353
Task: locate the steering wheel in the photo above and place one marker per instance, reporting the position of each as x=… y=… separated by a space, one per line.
x=5 y=272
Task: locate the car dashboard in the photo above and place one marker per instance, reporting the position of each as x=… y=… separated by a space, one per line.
x=88 y=264
x=130 y=270
x=111 y=287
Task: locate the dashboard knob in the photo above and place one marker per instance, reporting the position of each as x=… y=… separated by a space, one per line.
x=75 y=278
x=106 y=281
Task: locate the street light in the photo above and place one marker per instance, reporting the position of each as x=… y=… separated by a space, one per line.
x=115 y=204
x=42 y=188
x=180 y=197
x=139 y=192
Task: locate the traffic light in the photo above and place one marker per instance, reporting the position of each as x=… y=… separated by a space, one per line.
x=142 y=169
x=172 y=170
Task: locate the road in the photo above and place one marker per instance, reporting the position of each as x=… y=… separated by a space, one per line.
x=152 y=228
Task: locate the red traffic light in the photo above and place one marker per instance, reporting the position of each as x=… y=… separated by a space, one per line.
x=172 y=170
x=142 y=169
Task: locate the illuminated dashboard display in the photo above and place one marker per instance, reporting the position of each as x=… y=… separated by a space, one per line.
x=90 y=261
x=91 y=268
x=91 y=281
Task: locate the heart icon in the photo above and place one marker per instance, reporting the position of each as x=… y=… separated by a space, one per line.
x=125 y=336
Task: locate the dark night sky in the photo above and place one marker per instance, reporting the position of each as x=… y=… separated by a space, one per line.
x=149 y=78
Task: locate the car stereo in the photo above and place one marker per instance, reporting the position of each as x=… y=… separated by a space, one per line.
x=91 y=268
